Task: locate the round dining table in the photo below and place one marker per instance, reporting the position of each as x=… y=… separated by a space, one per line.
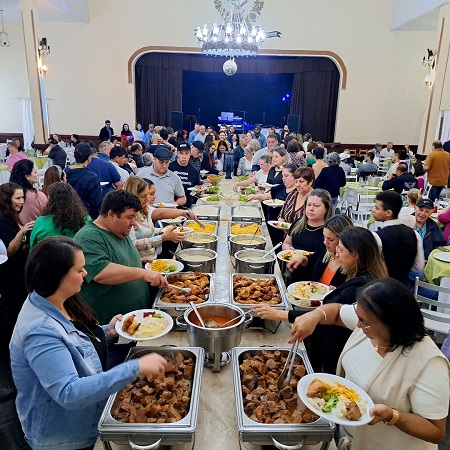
x=42 y=162
x=4 y=173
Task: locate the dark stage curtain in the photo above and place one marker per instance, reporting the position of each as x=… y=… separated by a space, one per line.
x=314 y=91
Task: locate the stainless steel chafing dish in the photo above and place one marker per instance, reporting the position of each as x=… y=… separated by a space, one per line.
x=282 y=305
x=246 y=213
x=207 y=212
x=282 y=436
x=189 y=223
x=153 y=435
x=176 y=309
x=244 y=224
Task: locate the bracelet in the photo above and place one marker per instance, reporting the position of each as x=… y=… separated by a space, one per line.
x=394 y=420
x=323 y=312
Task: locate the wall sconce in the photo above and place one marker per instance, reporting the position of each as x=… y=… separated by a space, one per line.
x=44 y=49
x=429 y=62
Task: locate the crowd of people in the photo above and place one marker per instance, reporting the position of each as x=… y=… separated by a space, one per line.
x=76 y=248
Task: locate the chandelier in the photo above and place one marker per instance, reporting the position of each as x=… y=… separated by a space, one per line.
x=429 y=62
x=4 y=38
x=235 y=33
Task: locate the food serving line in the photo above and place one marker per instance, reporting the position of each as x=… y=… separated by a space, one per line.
x=217 y=418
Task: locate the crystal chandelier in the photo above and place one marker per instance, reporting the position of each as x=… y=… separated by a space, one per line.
x=234 y=34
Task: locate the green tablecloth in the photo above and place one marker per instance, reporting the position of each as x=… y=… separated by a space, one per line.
x=435 y=269
x=3 y=167
x=40 y=162
x=360 y=190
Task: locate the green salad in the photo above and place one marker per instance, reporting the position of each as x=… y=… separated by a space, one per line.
x=243 y=198
x=171 y=268
x=213 y=198
x=212 y=190
x=250 y=190
x=241 y=178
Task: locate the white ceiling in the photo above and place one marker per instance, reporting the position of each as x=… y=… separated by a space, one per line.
x=49 y=10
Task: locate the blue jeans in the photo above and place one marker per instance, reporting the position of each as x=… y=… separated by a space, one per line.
x=435 y=192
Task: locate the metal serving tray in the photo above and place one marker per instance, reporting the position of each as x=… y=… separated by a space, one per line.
x=282 y=306
x=176 y=309
x=207 y=216
x=237 y=213
x=152 y=433
x=240 y=222
x=188 y=222
x=272 y=434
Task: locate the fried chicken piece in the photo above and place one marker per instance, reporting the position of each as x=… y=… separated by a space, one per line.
x=133 y=328
x=127 y=322
x=353 y=411
x=316 y=389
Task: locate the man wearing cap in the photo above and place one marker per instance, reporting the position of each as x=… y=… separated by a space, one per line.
x=106 y=133
x=437 y=167
x=169 y=188
x=85 y=182
x=427 y=228
x=261 y=138
x=188 y=174
x=197 y=148
x=343 y=164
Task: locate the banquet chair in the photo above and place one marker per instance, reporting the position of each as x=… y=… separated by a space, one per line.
x=436 y=313
x=359 y=217
x=365 y=202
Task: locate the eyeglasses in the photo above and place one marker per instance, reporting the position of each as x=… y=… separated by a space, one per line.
x=362 y=323
x=339 y=250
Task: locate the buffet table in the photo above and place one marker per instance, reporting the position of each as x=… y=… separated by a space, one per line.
x=217 y=422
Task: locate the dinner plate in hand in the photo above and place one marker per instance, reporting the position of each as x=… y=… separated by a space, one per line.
x=315 y=296
x=366 y=401
x=139 y=315
x=442 y=256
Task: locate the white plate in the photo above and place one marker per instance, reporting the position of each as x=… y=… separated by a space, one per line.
x=205 y=199
x=165 y=205
x=366 y=401
x=276 y=224
x=174 y=221
x=104 y=183
x=178 y=264
x=294 y=253
x=372 y=188
x=198 y=188
x=267 y=185
x=316 y=296
x=186 y=230
x=139 y=315
x=204 y=172
x=274 y=203
x=3 y=258
x=302 y=304
x=442 y=256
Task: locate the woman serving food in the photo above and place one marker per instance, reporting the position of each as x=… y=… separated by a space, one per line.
x=390 y=356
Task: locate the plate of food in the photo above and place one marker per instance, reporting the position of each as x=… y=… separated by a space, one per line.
x=176 y=220
x=279 y=225
x=204 y=172
x=165 y=266
x=198 y=188
x=267 y=185
x=165 y=205
x=287 y=255
x=303 y=304
x=211 y=190
x=335 y=398
x=211 y=199
x=144 y=324
x=274 y=203
x=308 y=290
x=214 y=179
x=183 y=231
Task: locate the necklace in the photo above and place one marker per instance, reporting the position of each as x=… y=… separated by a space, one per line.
x=88 y=332
x=318 y=228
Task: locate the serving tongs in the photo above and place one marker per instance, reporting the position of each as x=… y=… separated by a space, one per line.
x=185 y=290
x=201 y=225
x=285 y=376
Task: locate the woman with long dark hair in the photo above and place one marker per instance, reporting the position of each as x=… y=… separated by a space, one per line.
x=25 y=174
x=390 y=356
x=126 y=136
x=53 y=174
x=63 y=215
x=58 y=353
x=209 y=162
x=14 y=235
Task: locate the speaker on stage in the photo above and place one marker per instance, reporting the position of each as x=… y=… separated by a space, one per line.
x=177 y=120
x=293 y=122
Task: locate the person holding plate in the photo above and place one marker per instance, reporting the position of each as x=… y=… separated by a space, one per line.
x=390 y=356
x=58 y=353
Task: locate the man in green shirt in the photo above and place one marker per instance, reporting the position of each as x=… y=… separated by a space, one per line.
x=115 y=282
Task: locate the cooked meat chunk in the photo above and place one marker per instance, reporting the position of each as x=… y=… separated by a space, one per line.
x=197 y=282
x=316 y=389
x=353 y=411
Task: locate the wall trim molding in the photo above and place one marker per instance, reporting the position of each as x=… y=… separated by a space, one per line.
x=269 y=52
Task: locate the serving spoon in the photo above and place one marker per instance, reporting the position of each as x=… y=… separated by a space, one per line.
x=185 y=290
x=199 y=317
x=210 y=323
x=260 y=258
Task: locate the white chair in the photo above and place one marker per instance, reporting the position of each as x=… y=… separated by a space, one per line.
x=436 y=313
x=365 y=202
x=3 y=148
x=359 y=218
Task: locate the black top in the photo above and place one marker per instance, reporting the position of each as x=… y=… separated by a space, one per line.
x=97 y=336
x=58 y=155
x=404 y=182
x=274 y=177
x=106 y=135
x=309 y=239
x=331 y=179
x=327 y=341
x=207 y=166
x=399 y=250
x=189 y=176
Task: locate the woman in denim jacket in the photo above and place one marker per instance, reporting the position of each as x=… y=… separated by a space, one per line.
x=58 y=350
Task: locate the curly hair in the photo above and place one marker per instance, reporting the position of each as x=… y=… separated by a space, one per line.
x=65 y=207
x=19 y=174
x=7 y=211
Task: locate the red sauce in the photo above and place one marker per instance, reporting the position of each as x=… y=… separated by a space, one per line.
x=219 y=319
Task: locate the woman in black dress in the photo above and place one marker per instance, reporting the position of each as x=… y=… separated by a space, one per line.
x=15 y=237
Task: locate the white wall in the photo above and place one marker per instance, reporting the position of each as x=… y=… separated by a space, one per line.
x=87 y=79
